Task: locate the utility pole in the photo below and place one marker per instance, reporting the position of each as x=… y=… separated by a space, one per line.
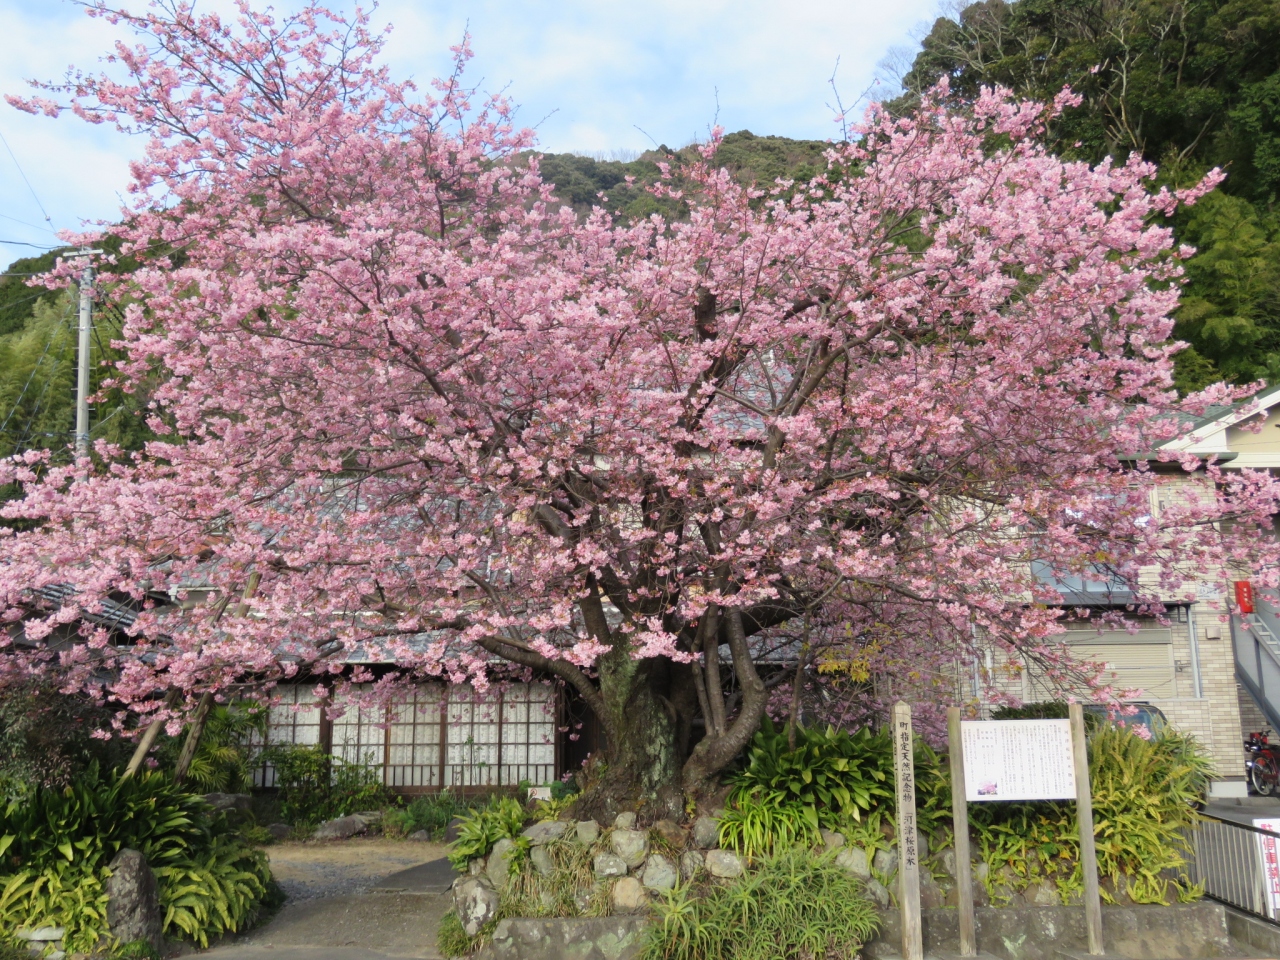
x=82 y=371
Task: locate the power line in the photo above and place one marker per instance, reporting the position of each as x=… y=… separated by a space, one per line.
x=38 y=246
x=34 y=226
x=23 y=174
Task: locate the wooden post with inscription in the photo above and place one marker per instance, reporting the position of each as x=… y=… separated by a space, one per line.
x=960 y=826
x=908 y=850
x=1084 y=813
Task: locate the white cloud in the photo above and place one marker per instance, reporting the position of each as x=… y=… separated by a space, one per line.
x=596 y=70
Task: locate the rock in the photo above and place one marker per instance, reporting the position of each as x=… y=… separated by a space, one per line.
x=981 y=871
x=609 y=865
x=669 y=831
x=420 y=836
x=706 y=833
x=340 y=829
x=625 y=821
x=947 y=860
x=1042 y=894
x=931 y=895
x=546 y=831
x=587 y=832
x=878 y=892
x=659 y=873
x=724 y=864
x=831 y=839
x=475 y=867
x=691 y=862
x=628 y=896
x=885 y=862
x=451 y=831
x=631 y=845
x=854 y=860
x=498 y=870
x=279 y=831
x=42 y=934
x=475 y=902
x=370 y=817
x=229 y=802
x=133 y=901
x=541 y=860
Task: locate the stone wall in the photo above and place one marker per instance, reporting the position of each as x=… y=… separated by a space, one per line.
x=1186 y=931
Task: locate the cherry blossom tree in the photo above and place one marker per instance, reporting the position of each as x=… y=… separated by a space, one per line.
x=421 y=405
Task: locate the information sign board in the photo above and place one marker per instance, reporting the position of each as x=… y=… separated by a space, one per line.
x=1270 y=854
x=1018 y=760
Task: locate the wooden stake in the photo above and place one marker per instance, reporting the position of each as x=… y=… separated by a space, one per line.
x=1084 y=812
x=960 y=825
x=908 y=852
x=194 y=732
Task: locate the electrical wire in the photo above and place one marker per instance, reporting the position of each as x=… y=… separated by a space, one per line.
x=22 y=173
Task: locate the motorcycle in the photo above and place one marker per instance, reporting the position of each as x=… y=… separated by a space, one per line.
x=1263 y=766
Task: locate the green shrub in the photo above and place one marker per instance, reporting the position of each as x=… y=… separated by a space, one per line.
x=59 y=843
x=431 y=813
x=793 y=905
x=503 y=817
x=214 y=893
x=222 y=760
x=316 y=786
x=835 y=775
x=1144 y=791
x=754 y=827
x=89 y=821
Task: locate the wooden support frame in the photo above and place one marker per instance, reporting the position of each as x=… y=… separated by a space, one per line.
x=960 y=827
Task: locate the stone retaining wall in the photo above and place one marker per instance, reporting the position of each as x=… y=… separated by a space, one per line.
x=1188 y=931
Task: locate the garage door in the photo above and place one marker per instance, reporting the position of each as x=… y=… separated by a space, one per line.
x=1142 y=661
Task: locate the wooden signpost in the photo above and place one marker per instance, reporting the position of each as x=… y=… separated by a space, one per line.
x=994 y=760
x=908 y=851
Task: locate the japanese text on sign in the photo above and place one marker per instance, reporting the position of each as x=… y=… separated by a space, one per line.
x=902 y=742
x=1270 y=856
x=1018 y=760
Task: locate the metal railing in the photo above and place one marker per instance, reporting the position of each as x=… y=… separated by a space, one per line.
x=1238 y=863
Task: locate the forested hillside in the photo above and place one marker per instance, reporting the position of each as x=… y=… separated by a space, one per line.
x=1189 y=84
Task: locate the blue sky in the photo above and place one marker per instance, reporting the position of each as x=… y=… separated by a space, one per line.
x=590 y=75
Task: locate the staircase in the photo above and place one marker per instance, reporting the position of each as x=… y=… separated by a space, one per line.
x=1257 y=652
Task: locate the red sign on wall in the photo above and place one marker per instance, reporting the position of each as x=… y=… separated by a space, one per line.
x=1244 y=596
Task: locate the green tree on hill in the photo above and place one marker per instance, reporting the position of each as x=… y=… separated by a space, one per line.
x=1189 y=84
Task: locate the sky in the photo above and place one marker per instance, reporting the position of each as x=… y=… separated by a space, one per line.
x=591 y=77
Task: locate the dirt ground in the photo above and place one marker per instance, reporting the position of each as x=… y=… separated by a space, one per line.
x=333 y=911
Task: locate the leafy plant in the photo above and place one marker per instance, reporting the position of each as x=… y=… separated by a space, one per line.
x=431 y=813
x=60 y=843
x=89 y=821
x=754 y=827
x=794 y=904
x=222 y=760
x=214 y=893
x=315 y=786
x=62 y=895
x=503 y=817
x=833 y=774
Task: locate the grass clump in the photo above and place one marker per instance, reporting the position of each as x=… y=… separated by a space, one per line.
x=794 y=904
x=452 y=939
x=569 y=890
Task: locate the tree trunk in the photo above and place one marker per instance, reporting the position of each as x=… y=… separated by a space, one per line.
x=148 y=739
x=194 y=732
x=642 y=755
